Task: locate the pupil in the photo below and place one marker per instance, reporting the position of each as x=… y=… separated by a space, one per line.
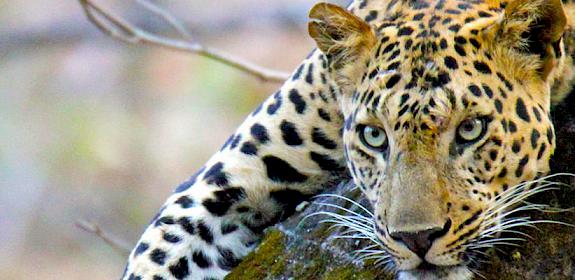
x=375 y=133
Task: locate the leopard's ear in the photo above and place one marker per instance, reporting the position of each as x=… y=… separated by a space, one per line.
x=534 y=27
x=344 y=38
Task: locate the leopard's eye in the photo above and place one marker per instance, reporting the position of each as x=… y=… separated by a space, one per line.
x=470 y=130
x=373 y=137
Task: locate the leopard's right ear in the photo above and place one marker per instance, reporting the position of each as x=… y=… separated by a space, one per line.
x=344 y=38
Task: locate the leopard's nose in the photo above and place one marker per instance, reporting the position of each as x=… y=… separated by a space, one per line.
x=420 y=242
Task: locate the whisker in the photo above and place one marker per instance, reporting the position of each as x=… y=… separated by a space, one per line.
x=356 y=226
x=372 y=255
x=512 y=200
x=500 y=239
x=348 y=200
x=345 y=210
x=356 y=229
x=494 y=244
x=550 y=209
x=367 y=249
x=513 y=191
x=339 y=217
x=522 y=186
x=350 y=223
x=476 y=273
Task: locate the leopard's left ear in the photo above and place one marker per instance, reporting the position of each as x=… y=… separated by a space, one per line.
x=534 y=27
x=344 y=38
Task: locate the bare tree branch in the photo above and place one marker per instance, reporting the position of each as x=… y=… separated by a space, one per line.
x=119 y=245
x=122 y=30
x=167 y=17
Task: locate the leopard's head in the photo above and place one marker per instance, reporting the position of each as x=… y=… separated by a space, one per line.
x=446 y=111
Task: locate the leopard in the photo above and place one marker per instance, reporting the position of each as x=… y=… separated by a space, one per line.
x=438 y=110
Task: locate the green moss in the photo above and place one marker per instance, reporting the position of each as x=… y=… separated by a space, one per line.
x=267 y=260
x=314 y=268
x=350 y=272
x=319 y=265
x=312 y=265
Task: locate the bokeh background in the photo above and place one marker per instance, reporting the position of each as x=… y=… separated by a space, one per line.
x=95 y=129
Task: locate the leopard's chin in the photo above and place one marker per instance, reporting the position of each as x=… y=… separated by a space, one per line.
x=431 y=272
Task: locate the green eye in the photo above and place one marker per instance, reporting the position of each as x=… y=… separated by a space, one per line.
x=373 y=137
x=470 y=130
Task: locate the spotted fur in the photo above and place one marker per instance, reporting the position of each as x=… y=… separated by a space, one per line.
x=416 y=69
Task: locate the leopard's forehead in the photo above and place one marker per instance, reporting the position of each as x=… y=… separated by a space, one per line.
x=433 y=11
x=433 y=64
x=429 y=40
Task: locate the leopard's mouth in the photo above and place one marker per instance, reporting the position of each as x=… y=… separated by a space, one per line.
x=425 y=265
x=427 y=271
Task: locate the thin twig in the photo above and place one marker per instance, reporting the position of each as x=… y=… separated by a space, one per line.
x=119 y=245
x=122 y=30
x=167 y=17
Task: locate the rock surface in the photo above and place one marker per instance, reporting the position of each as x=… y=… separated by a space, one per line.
x=309 y=249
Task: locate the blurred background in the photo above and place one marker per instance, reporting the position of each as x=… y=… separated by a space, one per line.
x=95 y=129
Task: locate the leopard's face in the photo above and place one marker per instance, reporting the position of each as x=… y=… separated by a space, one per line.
x=444 y=127
x=435 y=149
